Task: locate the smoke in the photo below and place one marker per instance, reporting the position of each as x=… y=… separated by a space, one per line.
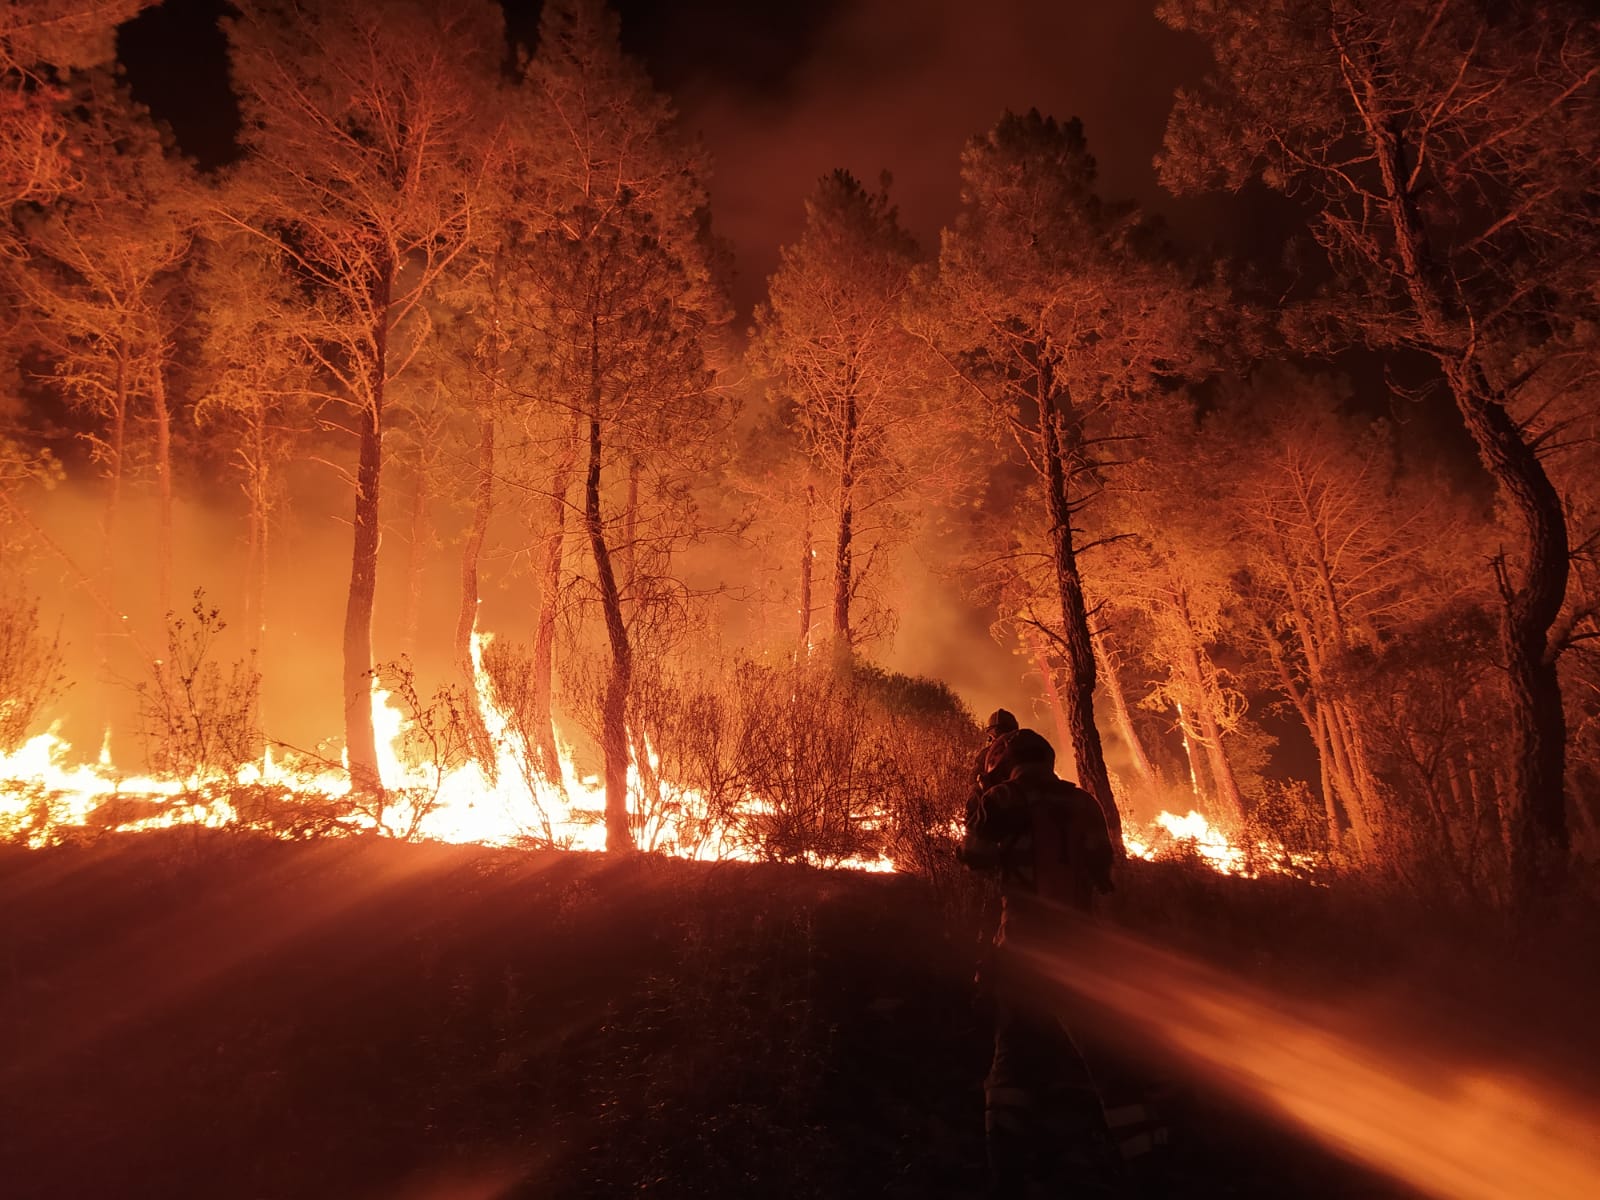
x=309 y=574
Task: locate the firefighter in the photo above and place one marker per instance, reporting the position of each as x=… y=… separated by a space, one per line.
x=1046 y=842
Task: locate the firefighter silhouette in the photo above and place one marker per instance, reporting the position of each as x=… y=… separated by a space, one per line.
x=1046 y=842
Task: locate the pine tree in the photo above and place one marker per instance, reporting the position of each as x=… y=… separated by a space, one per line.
x=369 y=136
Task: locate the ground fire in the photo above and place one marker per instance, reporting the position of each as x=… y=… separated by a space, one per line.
x=49 y=797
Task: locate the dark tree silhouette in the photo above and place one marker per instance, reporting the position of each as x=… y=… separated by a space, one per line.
x=1449 y=153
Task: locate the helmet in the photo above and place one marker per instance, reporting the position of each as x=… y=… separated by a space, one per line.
x=1020 y=746
x=1028 y=746
x=1000 y=721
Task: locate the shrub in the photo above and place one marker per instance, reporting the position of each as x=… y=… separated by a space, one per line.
x=31 y=676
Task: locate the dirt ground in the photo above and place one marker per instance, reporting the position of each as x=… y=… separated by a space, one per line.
x=241 y=1018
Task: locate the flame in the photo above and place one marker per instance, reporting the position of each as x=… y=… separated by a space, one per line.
x=42 y=794
x=1170 y=835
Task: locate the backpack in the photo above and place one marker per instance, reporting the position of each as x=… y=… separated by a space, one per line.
x=1071 y=847
x=1045 y=836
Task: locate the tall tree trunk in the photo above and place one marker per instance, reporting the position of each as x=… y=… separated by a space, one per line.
x=163 y=424
x=1210 y=733
x=808 y=556
x=1108 y=661
x=1344 y=766
x=361 y=744
x=1485 y=813
x=1066 y=765
x=614 y=712
x=1201 y=687
x=1365 y=792
x=542 y=687
x=649 y=784
x=467 y=617
x=842 y=564
x=1346 y=778
x=112 y=619
x=255 y=583
x=1196 y=788
x=111 y=525
x=416 y=544
x=1305 y=704
x=1079 y=696
x=1539 y=841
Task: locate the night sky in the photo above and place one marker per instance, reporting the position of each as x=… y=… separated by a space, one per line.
x=783 y=93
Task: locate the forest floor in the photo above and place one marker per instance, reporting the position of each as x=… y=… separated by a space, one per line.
x=226 y=1016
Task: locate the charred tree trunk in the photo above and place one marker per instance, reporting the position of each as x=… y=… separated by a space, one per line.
x=1079 y=696
x=614 y=711
x=360 y=740
x=542 y=687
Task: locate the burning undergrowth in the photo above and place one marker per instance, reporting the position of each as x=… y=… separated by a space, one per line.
x=744 y=760
x=750 y=762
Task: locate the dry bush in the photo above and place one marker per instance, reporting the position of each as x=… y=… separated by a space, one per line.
x=1435 y=726
x=436 y=738
x=287 y=813
x=805 y=743
x=810 y=763
x=926 y=743
x=509 y=665
x=199 y=719
x=694 y=780
x=1287 y=813
x=784 y=763
x=31 y=676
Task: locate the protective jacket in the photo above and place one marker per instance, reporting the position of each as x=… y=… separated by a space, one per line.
x=1045 y=837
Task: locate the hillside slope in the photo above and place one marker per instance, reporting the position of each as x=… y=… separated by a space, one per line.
x=240 y=1018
